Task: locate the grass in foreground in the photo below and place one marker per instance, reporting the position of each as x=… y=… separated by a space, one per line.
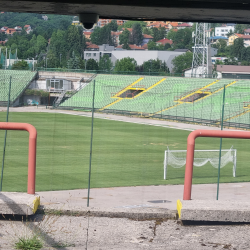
x=32 y=243
x=124 y=154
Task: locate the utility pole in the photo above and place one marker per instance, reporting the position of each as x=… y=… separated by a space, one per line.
x=201 y=64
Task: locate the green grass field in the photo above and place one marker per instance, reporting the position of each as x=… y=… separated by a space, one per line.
x=124 y=154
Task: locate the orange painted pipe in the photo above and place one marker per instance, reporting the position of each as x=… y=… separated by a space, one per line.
x=32 y=150
x=190 y=152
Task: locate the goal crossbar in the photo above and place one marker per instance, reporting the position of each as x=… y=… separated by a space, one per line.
x=177 y=158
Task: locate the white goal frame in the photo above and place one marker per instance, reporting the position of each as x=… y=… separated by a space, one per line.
x=215 y=150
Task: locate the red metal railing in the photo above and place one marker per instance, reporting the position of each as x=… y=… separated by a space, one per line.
x=32 y=150
x=190 y=152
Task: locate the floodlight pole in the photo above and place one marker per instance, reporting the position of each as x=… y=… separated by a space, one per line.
x=91 y=141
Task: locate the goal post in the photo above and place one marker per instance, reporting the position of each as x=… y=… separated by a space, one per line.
x=177 y=158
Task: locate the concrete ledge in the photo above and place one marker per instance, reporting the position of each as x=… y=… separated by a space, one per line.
x=18 y=203
x=213 y=210
x=130 y=213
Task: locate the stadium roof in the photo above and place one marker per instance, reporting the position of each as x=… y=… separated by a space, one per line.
x=181 y=10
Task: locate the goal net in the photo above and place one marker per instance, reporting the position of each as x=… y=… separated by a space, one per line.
x=177 y=158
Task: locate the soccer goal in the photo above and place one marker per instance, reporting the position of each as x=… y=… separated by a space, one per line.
x=177 y=158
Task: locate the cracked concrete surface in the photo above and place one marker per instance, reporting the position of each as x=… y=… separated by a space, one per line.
x=75 y=233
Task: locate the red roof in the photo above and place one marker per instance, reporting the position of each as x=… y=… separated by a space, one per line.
x=247 y=30
x=145 y=46
x=129 y=29
x=184 y=25
x=243 y=36
x=164 y=41
x=87 y=33
x=113 y=33
x=147 y=36
x=93 y=46
x=27 y=25
x=135 y=47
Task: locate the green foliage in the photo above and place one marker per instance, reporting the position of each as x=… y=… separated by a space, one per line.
x=91 y=64
x=129 y=24
x=73 y=62
x=113 y=25
x=105 y=63
x=36 y=92
x=155 y=66
x=12 y=19
x=158 y=34
x=147 y=31
x=153 y=46
x=102 y=35
x=20 y=65
x=239 y=28
x=171 y=34
x=124 y=37
x=136 y=36
x=183 y=39
x=126 y=46
x=125 y=64
x=182 y=62
x=32 y=243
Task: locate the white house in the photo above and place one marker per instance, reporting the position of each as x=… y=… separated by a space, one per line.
x=223 y=31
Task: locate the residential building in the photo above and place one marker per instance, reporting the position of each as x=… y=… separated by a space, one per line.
x=132 y=47
x=27 y=28
x=183 y=26
x=246 y=39
x=173 y=25
x=146 y=39
x=223 y=31
x=157 y=25
x=87 y=34
x=247 y=32
x=18 y=29
x=44 y=17
x=115 y=36
x=164 y=41
x=10 y=31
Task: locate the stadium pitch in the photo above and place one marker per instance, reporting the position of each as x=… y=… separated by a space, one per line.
x=124 y=154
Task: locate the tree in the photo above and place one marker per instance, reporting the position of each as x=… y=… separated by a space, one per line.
x=155 y=66
x=102 y=35
x=91 y=64
x=182 y=62
x=239 y=28
x=73 y=62
x=171 y=34
x=113 y=25
x=105 y=63
x=126 y=46
x=20 y=65
x=129 y=24
x=136 y=35
x=124 y=37
x=238 y=49
x=125 y=64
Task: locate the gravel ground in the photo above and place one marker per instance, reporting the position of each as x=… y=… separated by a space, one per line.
x=101 y=233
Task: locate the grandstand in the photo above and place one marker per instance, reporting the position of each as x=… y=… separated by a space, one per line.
x=182 y=99
x=20 y=80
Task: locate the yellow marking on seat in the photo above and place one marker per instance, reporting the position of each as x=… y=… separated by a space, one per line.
x=125 y=89
x=235 y=116
x=199 y=91
x=179 y=207
x=111 y=104
x=151 y=87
